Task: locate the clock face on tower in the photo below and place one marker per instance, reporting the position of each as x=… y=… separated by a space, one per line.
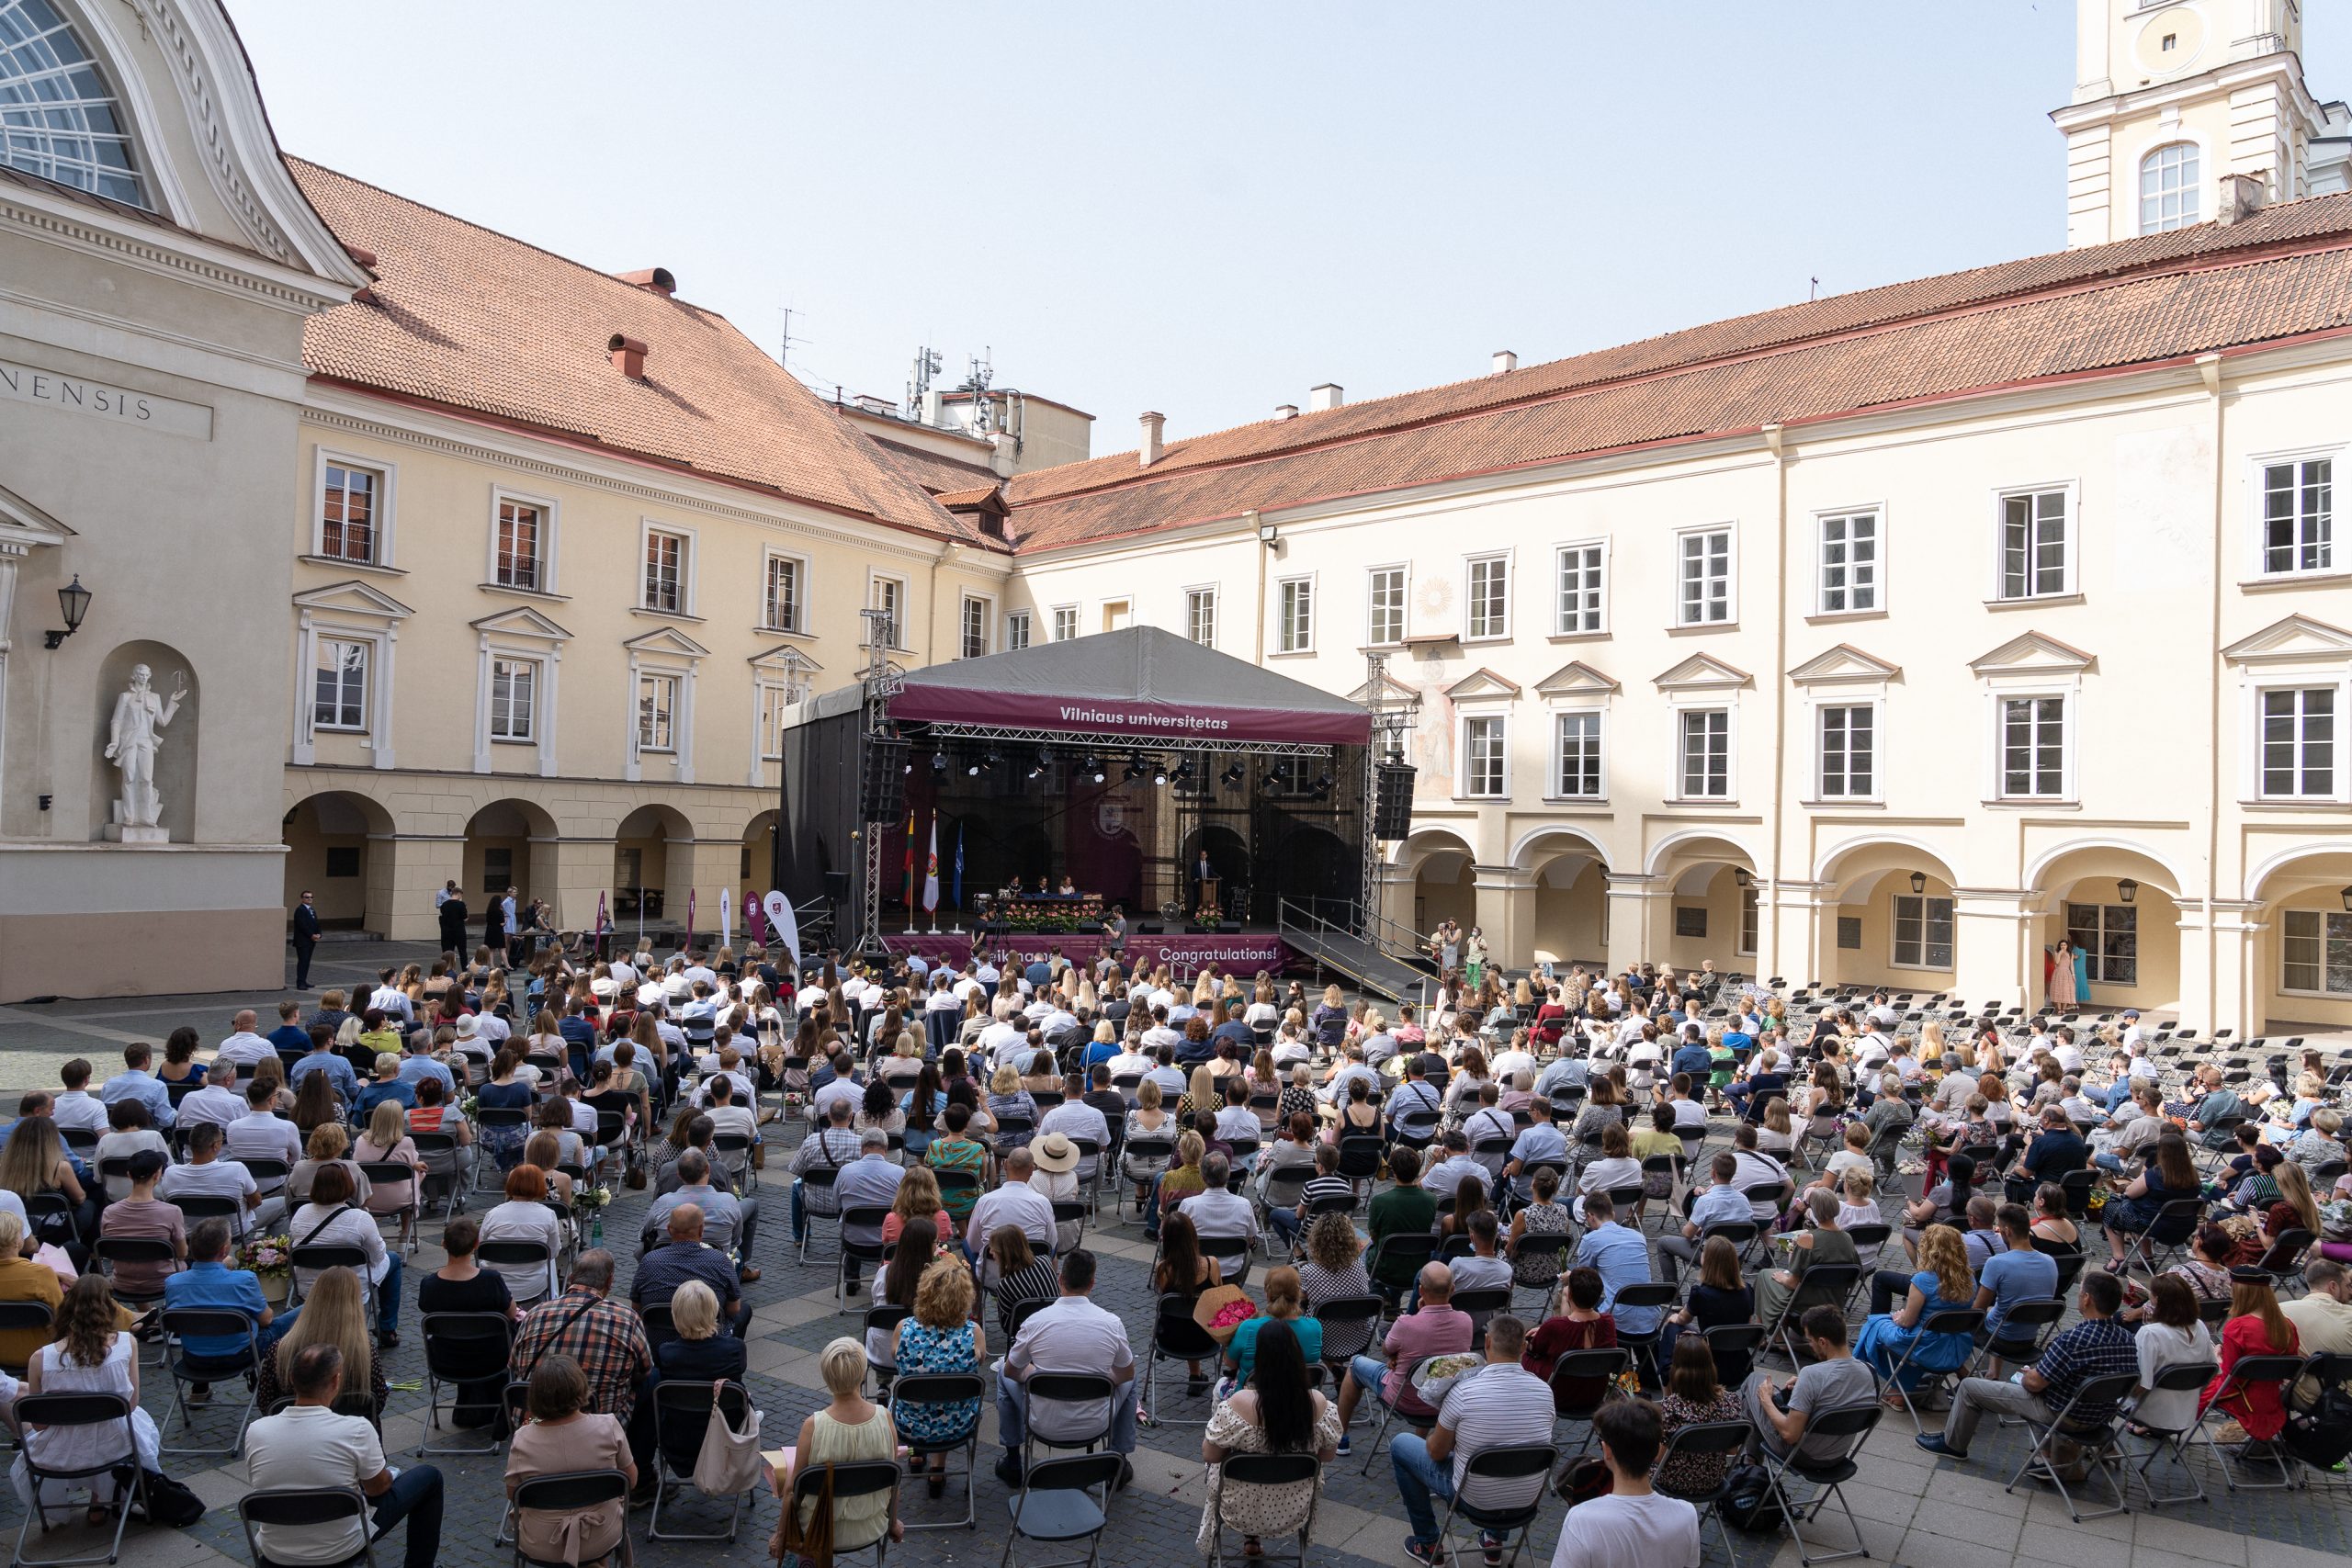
x=2170 y=41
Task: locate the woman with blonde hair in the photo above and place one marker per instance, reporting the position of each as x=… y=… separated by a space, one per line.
x=1146 y=1119
x=918 y=1199
x=1202 y=1095
x=940 y=1336
x=272 y=1071
x=1008 y=1099
x=333 y=1313
x=328 y=1145
x=386 y=1142
x=1942 y=1283
x=699 y=1352
x=847 y=1430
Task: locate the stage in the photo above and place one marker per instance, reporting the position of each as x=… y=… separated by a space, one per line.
x=1242 y=952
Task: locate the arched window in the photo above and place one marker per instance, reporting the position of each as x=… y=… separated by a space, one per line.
x=2168 y=187
x=58 y=117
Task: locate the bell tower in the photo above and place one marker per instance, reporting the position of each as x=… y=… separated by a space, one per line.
x=2187 y=111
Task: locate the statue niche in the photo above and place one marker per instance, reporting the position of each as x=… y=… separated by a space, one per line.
x=143 y=759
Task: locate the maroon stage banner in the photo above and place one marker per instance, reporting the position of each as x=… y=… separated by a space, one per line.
x=1246 y=951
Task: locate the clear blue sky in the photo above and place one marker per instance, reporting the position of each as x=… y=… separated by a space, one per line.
x=1206 y=208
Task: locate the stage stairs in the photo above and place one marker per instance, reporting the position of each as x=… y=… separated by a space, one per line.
x=1367 y=965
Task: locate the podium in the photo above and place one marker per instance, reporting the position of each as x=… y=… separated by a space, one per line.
x=1210 y=890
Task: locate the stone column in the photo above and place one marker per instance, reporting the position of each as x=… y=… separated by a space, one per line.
x=2227 y=994
x=1396 y=895
x=1990 y=930
x=1637 y=916
x=1505 y=906
x=1796 y=934
x=404 y=870
x=575 y=871
x=710 y=866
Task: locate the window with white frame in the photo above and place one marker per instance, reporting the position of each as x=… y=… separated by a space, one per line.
x=784 y=593
x=1485 y=757
x=1486 y=607
x=2317 y=951
x=889 y=596
x=2033 y=748
x=2107 y=935
x=1703 y=573
x=347 y=512
x=1749 y=920
x=1016 y=630
x=2297 y=516
x=1385 y=608
x=1580 y=608
x=665 y=572
x=1295 y=615
x=1199 y=616
x=1706 y=754
x=513 y=699
x=2299 y=743
x=657 y=708
x=1922 y=931
x=1848 y=563
x=1065 y=622
x=972 y=639
x=1848 y=750
x=518 y=553
x=339 y=688
x=2036 y=545
x=2168 y=197
x=1577 y=740
x=775 y=703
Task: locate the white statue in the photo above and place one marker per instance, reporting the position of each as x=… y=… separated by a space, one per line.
x=140 y=717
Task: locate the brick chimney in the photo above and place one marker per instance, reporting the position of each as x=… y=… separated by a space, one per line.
x=1505 y=362
x=653 y=279
x=1329 y=395
x=629 y=355
x=1153 y=424
x=2240 y=196
x=1004 y=453
x=1286 y=412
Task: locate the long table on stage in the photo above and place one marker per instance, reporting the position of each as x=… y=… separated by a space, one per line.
x=1237 y=950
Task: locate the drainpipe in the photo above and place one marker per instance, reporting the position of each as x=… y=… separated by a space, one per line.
x=1773 y=443
x=2209 y=367
x=947 y=552
x=1257 y=622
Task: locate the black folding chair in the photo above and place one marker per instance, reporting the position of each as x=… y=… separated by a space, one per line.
x=942 y=1388
x=62 y=1410
x=180 y=1324
x=1264 y=1470
x=290 y=1508
x=2023 y=1329
x=2096 y=1442
x=682 y=1412
x=1848 y=1426
x=462 y=1347
x=569 y=1491
x=1704 y=1439
x=818 y=1201
x=2173 y=1441
x=1635 y=1297
x=1055 y=1502
x=1068 y=1389
x=860 y=1478
x=877 y=1253
x=2252 y=1371
x=1176 y=1337
x=17 y=1317
x=322 y=1256
x=1599 y=1366
x=1735 y=1346
x=1388 y=1412
x=1409 y=1251
x=1347 y=1323
x=1498 y=1465
x=536 y=1255
x=1954 y=1320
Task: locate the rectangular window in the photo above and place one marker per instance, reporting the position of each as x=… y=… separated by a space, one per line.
x=1704 y=573
x=1848 y=580
x=1850 y=752
x=2109 y=937
x=2033 y=748
x=347 y=517
x=521 y=533
x=2035 y=549
x=1706 y=754
x=1016 y=630
x=1485 y=760
x=497 y=870
x=781 y=602
x=665 y=572
x=1385 y=617
x=1580 y=603
x=514 y=697
x=974 y=638
x=1296 y=628
x=2299 y=516
x=773 y=702
x=657 y=705
x=1065 y=622
x=2317 y=951
x=342 y=860
x=1199 y=616
x=1748 y=921
x=1579 y=741
x=1690 y=920
x=1922 y=932
x=1488 y=606
x=339 y=695
x=1849 y=933
x=2298 y=744
x=890 y=598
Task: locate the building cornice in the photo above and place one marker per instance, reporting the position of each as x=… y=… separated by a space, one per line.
x=178 y=254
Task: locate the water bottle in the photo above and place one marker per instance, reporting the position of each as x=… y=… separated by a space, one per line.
x=596 y=1230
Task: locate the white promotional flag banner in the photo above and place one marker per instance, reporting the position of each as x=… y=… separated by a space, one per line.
x=784 y=922
x=726 y=917
x=931 y=869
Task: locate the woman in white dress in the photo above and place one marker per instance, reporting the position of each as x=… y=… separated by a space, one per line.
x=90 y=1356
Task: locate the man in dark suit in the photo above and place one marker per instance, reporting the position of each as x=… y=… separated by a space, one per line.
x=453 y=923
x=306 y=938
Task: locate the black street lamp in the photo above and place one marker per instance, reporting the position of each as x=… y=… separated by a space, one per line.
x=2127 y=889
x=1918 y=882
x=73 y=602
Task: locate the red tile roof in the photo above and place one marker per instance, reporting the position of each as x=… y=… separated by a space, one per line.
x=2285 y=271
x=472 y=319
x=935 y=472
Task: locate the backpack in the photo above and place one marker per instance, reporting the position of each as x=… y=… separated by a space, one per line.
x=1751 y=1502
x=2323 y=1437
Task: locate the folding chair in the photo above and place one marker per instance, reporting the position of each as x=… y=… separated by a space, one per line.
x=1636 y=1297
x=381 y=1172
x=1502 y=1464
x=2175 y=1440
x=1176 y=1337
x=1264 y=1470
x=569 y=1493
x=56 y=1410
x=1232 y=1253
x=1735 y=1346
x=1955 y=1320
x=1149 y=1152
x=180 y=1324
x=1849 y=1426
x=1824 y=1284
x=734 y=1152
x=1705 y=1438
x=460 y=1347
x=1581 y=1366
x=18 y=1316
x=1068 y=1212
x=2019 y=1338
x=288 y=1508
x=1413 y=1250
x=1347 y=1323
x=2098 y=1442
x=819 y=1179
x=682 y=1411
x=439 y=1152
x=944 y=1388
x=2250 y=1371
x=2180 y=1219
x=504 y=1255
x=1054 y=1503
x=1073 y=1389
x=860 y=1478
x=867 y=1217
x=1389 y=1411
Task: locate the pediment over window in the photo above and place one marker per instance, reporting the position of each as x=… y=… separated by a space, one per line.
x=784 y=660
x=1701 y=673
x=667 y=642
x=2032 y=654
x=522 y=621
x=1392 y=692
x=354 y=598
x=1842 y=664
x=1480 y=683
x=22 y=523
x=2296 y=638
x=1576 y=678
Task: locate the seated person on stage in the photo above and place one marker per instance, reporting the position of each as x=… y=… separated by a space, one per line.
x=1066 y=888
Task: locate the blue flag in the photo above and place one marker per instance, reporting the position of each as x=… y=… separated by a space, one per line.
x=956 y=899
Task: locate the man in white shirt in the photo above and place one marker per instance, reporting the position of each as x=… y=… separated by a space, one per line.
x=218 y=1101
x=844 y=1086
x=1016 y=1204
x=1216 y=1214
x=1130 y=1059
x=259 y=1135
x=245 y=1047
x=309 y=1446
x=1500 y=1405
x=1001 y=1033
x=698 y=973
x=1882 y=1014
x=2069 y=1054
x=77 y=1110
x=1161 y=1033
x=1630 y=1526
x=1166 y=1073
x=1509 y=1065
x=1457 y=1167
x=1073 y=1335
x=1078 y=1122
x=206 y=1175
x=625 y=976
x=390 y=999
x=1754 y=1169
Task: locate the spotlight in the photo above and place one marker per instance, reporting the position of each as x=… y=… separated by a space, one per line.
x=1038 y=764
x=988 y=762
x=1158 y=775
x=1135 y=767
x=938 y=762
x=1183 y=770
x=1277 y=779
x=1322 y=785
x=1232 y=777
x=1091 y=768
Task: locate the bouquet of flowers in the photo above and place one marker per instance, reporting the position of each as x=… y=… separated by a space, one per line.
x=467 y=1104
x=265 y=1257
x=587 y=1200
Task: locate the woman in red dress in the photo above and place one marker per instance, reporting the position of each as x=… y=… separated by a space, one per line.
x=2255 y=1327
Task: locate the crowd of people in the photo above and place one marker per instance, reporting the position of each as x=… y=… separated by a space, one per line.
x=1607 y=1199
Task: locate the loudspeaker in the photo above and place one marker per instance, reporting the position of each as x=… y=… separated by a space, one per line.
x=837 y=886
x=1150 y=928
x=1392 y=810
x=1229 y=928
x=882 y=795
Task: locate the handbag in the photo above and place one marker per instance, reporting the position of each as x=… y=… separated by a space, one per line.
x=728 y=1463
x=816 y=1542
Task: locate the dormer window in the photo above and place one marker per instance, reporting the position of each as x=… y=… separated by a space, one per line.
x=59 y=118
